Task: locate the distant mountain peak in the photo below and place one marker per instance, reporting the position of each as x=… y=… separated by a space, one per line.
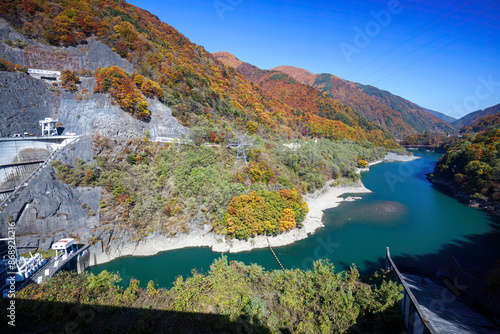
x=474 y=116
x=392 y=112
x=228 y=59
x=300 y=74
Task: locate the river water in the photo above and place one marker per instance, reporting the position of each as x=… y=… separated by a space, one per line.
x=423 y=227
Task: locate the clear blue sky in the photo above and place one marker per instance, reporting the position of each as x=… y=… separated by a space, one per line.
x=443 y=55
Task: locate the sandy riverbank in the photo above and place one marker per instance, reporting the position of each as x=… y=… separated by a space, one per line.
x=325 y=198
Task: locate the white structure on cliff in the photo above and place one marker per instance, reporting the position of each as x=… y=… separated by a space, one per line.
x=44 y=74
x=49 y=127
x=66 y=246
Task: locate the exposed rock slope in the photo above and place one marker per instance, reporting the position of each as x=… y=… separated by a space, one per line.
x=96 y=113
x=23 y=102
x=89 y=56
x=46 y=209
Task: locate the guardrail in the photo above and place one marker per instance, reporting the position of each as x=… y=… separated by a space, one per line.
x=415 y=320
x=30 y=138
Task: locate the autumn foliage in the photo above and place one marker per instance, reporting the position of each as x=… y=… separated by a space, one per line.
x=8 y=66
x=69 y=80
x=473 y=164
x=363 y=163
x=264 y=212
x=185 y=76
x=115 y=81
x=257 y=172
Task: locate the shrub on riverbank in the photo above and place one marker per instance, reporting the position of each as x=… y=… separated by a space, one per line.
x=264 y=212
x=239 y=297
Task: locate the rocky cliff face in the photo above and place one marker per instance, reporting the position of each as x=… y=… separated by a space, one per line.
x=23 y=102
x=95 y=113
x=89 y=56
x=47 y=210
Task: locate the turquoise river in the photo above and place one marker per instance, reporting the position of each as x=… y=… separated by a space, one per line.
x=422 y=225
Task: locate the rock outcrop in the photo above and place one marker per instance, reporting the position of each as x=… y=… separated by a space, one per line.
x=33 y=54
x=23 y=102
x=97 y=114
x=46 y=209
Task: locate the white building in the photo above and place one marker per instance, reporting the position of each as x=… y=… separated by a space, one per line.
x=66 y=246
x=49 y=127
x=44 y=74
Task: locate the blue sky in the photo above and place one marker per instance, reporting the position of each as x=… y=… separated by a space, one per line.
x=443 y=55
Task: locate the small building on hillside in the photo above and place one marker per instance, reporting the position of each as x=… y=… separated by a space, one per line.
x=66 y=246
x=49 y=127
x=44 y=74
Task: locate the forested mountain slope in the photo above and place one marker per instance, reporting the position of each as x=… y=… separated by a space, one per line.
x=393 y=113
x=304 y=100
x=472 y=163
x=440 y=115
x=476 y=115
x=484 y=123
x=184 y=75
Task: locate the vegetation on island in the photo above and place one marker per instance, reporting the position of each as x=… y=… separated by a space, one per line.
x=230 y=297
x=473 y=164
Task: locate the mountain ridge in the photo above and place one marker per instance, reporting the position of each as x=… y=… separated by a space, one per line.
x=390 y=111
x=305 y=99
x=474 y=116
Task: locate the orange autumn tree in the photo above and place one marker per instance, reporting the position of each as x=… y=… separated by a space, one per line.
x=257 y=172
x=151 y=89
x=287 y=221
x=264 y=212
x=115 y=81
x=69 y=80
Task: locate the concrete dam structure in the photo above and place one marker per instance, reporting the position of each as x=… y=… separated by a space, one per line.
x=22 y=156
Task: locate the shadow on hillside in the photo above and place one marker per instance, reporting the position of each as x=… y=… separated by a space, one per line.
x=477 y=253
x=32 y=316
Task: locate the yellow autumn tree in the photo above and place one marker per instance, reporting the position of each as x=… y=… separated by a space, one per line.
x=287 y=220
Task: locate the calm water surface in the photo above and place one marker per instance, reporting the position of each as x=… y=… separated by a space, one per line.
x=422 y=226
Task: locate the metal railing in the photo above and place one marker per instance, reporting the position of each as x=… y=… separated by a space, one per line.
x=416 y=322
